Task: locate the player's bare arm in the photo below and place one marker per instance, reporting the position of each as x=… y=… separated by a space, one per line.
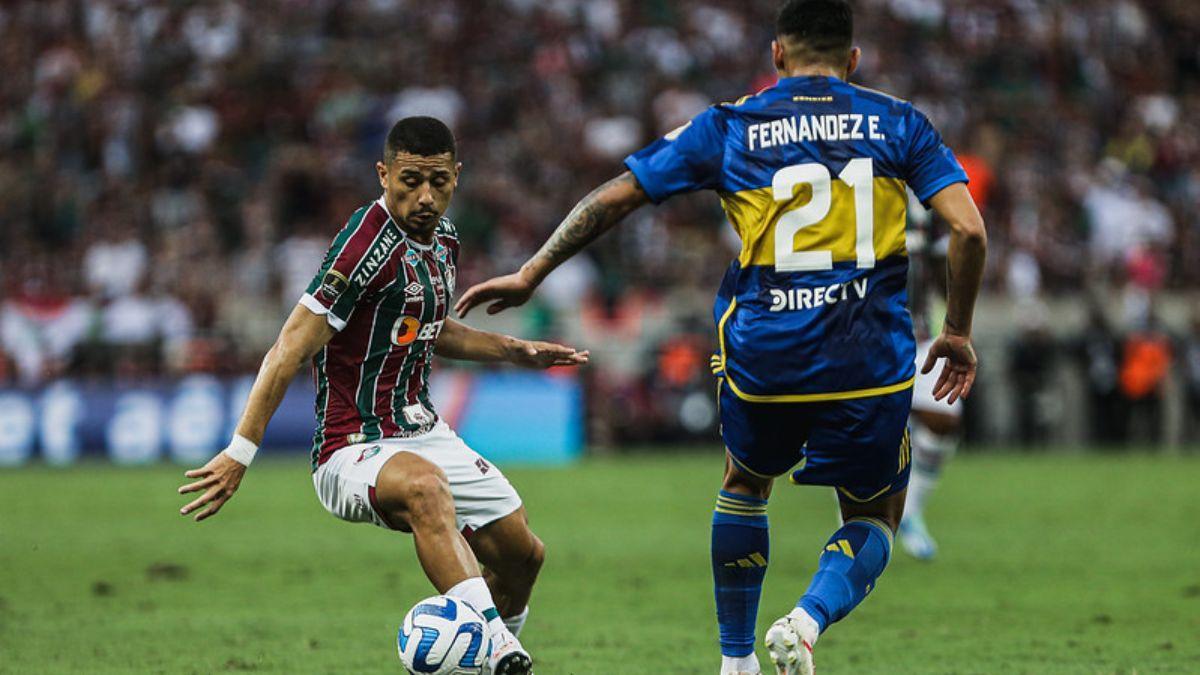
x=594 y=215
x=459 y=341
x=966 y=258
x=303 y=335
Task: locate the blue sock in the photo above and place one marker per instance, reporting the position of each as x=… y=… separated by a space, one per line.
x=741 y=546
x=853 y=559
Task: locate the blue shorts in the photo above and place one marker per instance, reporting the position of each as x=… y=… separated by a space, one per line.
x=860 y=446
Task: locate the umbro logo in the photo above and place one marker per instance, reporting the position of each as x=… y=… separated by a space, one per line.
x=482 y=465
x=414 y=290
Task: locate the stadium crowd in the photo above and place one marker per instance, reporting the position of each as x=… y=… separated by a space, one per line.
x=171 y=172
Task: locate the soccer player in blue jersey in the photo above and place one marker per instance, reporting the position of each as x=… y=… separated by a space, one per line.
x=816 y=351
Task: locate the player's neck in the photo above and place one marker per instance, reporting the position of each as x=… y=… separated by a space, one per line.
x=421 y=237
x=812 y=71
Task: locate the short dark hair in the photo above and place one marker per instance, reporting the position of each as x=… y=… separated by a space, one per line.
x=419 y=135
x=824 y=27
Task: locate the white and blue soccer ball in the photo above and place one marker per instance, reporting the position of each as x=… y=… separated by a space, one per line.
x=443 y=636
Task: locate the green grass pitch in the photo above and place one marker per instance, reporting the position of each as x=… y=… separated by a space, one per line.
x=1050 y=564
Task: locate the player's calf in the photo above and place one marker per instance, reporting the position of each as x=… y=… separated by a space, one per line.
x=740 y=553
x=513 y=557
x=853 y=559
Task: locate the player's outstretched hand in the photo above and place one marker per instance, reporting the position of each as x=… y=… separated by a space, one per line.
x=959 y=373
x=510 y=290
x=219 y=479
x=529 y=354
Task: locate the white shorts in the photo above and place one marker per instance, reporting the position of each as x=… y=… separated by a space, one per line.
x=923 y=387
x=345 y=483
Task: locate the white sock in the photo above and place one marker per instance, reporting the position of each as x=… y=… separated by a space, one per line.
x=809 y=628
x=740 y=664
x=516 y=623
x=920 y=486
x=474 y=592
x=930 y=452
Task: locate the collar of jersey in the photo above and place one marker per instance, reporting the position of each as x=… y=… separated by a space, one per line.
x=411 y=242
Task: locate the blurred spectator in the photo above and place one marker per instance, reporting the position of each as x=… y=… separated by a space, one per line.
x=146 y=332
x=1145 y=365
x=1032 y=359
x=1098 y=350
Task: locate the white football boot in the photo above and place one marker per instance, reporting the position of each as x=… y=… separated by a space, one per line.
x=508 y=656
x=915 y=538
x=790 y=642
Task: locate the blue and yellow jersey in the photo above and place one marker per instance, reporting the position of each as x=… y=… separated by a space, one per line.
x=812 y=173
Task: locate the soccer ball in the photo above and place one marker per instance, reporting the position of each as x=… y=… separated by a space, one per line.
x=443 y=636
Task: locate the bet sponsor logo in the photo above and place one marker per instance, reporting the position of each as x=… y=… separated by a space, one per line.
x=408 y=329
x=405 y=331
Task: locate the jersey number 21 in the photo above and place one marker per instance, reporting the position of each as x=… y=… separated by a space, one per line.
x=859 y=175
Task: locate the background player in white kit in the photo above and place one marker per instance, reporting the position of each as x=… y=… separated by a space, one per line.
x=934 y=426
x=371 y=321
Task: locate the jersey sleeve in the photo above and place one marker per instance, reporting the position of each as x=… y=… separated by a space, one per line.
x=334 y=291
x=931 y=165
x=685 y=160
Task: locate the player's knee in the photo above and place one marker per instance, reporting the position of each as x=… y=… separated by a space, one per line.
x=524 y=567
x=889 y=509
x=536 y=558
x=416 y=496
x=429 y=490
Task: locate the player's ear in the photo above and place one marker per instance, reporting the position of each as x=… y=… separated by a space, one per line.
x=457 y=172
x=852 y=64
x=381 y=169
x=777 y=54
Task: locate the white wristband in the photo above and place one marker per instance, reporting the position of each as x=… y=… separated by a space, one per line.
x=241 y=450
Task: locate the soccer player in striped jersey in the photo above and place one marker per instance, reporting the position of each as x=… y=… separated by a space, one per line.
x=816 y=350
x=935 y=426
x=371 y=322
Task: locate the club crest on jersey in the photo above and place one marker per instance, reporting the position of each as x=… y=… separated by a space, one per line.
x=412 y=257
x=417 y=414
x=333 y=284
x=367 y=453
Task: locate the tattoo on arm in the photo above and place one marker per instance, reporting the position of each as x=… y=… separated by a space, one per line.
x=592 y=216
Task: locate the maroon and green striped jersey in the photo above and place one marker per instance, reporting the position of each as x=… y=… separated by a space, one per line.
x=387 y=296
